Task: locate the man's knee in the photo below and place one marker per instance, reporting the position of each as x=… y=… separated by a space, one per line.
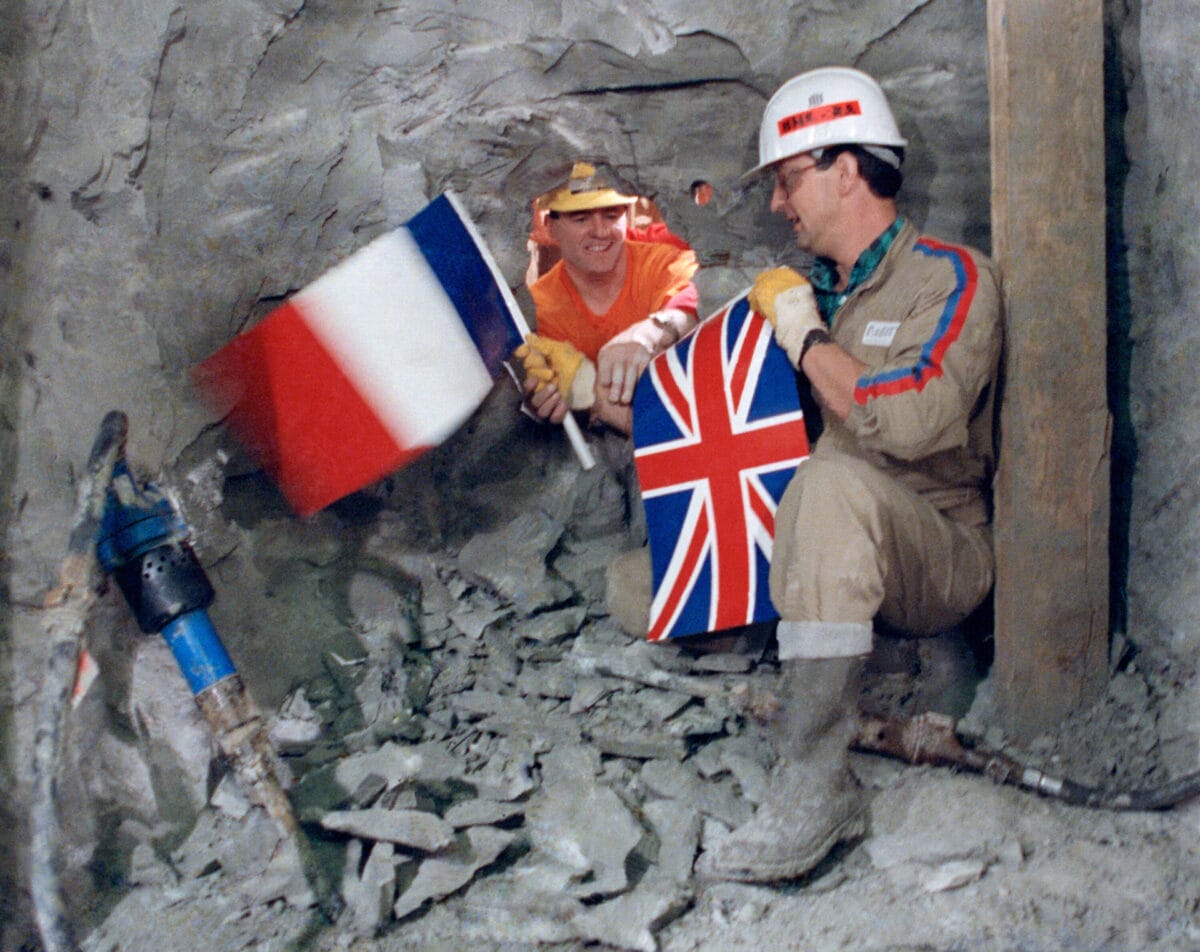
x=828 y=563
x=829 y=506
x=628 y=586
x=827 y=491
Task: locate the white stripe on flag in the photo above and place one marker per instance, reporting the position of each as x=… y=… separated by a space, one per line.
x=385 y=318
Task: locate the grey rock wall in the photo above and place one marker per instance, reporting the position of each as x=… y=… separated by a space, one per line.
x=1161 y=229
x=1156 y=346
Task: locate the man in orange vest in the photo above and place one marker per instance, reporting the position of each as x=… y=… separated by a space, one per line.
x=606 y=308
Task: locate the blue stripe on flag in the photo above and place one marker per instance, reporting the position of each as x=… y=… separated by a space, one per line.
x=764 y=608
x=464 y=273
x=776 y=482
x=769 y=401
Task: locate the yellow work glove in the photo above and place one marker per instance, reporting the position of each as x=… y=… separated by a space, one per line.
x=554 y=361
x=770 y=283
x=785 y=298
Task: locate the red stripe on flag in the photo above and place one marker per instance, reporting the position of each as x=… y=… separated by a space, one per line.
x=744 y=359
x=675 y=397
x=297 y=414
x=762 y=509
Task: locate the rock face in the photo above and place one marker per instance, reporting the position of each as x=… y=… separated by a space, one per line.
x=1164 y=586
x=542 y=779
x=170 y=171
x=172 y=181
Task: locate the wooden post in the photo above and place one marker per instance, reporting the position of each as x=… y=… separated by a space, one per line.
x=1045 y=63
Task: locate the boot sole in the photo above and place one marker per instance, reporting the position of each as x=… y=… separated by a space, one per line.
x=793 y=868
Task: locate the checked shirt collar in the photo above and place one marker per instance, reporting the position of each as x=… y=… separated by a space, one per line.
x=824 y=276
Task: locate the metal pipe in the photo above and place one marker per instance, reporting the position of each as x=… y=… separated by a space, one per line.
x=145 y=544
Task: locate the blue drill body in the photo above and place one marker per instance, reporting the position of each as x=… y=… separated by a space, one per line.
x=144 y=543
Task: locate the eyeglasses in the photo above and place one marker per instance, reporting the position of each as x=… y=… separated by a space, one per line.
x=790 y=181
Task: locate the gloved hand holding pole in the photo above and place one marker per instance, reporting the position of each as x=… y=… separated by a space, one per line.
x=551 y=362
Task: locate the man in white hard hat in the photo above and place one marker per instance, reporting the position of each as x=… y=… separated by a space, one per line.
x=606 y=308
x=899 y=336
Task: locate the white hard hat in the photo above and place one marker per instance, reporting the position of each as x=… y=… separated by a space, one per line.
x=834 y=105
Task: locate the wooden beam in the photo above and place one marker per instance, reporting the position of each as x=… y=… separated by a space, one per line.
x=1045 y=65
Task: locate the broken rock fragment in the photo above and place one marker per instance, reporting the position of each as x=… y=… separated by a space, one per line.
x=552 y=626
x=449 y=871
x=525 y=904
x=473 y=620
x=680 y=781
x=397 y=763
x=481 y=813
x=582 y=824
x=630 y=921
x=640 y=745
x=513 y=561
x=952 y=875
x=296 y=726
x=414 y=829
x=368 y=895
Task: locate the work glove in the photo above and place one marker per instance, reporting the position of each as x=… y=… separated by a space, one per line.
x=785 y=298
x=557 y=362
x=622 y=360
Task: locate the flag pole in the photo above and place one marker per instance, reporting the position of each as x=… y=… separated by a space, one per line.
x=570 y=425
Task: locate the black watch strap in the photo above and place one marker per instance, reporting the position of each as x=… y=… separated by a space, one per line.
x=818 y=335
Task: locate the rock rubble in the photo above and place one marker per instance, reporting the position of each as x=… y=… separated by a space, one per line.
x=499 y=741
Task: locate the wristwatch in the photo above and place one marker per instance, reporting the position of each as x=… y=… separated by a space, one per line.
x=666 y=325
x=818 y=335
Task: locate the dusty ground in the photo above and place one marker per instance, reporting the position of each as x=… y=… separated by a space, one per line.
x=950 y=862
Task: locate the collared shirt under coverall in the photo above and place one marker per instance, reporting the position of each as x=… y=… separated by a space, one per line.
x=889 y=517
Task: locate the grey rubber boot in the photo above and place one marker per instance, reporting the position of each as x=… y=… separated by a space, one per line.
x=813 y=802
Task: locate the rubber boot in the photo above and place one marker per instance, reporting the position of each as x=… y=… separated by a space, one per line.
x=813 y=802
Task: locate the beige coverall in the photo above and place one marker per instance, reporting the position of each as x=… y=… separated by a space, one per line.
x=890 y=515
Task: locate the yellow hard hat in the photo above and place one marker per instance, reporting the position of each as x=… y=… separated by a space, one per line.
x=586 y=189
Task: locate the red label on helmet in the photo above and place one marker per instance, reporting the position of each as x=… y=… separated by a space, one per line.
x=814 y=117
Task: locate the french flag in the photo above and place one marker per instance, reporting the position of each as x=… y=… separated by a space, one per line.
x=372 y=364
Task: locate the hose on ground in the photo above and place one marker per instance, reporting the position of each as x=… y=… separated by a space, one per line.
x=64 y=615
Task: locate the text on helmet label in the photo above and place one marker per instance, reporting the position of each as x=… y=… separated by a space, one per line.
x=814 y=117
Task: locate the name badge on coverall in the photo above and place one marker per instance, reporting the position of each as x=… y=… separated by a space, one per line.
x=880 y=333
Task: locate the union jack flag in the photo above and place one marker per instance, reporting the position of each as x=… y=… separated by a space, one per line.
x=718 y=432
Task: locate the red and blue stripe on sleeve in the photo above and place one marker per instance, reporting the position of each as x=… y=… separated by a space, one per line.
x=949 y=327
